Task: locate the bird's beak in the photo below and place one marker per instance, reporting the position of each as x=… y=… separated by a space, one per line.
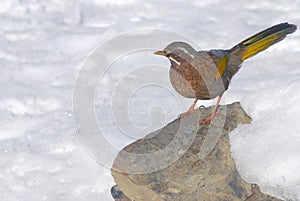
x=162 y=53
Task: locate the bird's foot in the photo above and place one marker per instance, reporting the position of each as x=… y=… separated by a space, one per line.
x=187 y=113
x=208 y=119
x=191 y=110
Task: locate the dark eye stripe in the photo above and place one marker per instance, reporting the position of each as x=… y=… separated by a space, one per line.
x=170 y=55
x=173 y=55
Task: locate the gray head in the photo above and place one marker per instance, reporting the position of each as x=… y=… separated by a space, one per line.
x=177 y=51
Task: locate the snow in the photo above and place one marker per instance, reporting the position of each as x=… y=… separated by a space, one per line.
x=267 y=150
x=45 y=44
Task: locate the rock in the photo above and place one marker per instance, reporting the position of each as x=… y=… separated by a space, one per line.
x=259 y=196
x=186 y=161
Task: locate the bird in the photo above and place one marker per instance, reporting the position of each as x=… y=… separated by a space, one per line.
x=205 y=75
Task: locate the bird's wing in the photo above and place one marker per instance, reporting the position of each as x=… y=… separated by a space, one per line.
x=220 y=58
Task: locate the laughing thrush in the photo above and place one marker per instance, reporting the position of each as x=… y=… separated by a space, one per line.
x=204 y=75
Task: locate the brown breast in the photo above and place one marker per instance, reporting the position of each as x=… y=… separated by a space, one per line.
x=199 y=81
x=187 y=81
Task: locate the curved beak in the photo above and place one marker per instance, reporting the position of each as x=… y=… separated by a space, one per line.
x=162 y=53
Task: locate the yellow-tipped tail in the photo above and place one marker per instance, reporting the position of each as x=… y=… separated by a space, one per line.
x=263 y=40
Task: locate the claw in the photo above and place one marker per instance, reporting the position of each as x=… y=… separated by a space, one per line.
x=191 y=109
x=207 y=119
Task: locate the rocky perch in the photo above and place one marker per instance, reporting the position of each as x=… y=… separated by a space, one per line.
x=185 y=161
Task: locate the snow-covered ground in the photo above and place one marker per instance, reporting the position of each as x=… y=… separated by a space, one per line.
x=44 y=45
x=267 y=151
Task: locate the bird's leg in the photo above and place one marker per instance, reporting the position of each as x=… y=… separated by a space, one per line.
x=193 y=106
x=191 y=109
x=213 y=113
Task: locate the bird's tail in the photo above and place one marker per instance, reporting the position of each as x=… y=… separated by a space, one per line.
x=262 y=40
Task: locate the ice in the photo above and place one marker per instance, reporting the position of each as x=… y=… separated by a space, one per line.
x=44 y=45
x=267 y=150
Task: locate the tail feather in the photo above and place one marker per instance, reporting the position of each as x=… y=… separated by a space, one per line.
x=262 y=40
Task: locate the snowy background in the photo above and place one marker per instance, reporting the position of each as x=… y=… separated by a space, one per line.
x=44 y=45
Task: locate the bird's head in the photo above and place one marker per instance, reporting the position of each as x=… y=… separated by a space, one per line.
x=178 y=52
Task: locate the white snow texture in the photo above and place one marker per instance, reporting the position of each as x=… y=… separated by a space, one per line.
x=44 y=44
x=267 y=150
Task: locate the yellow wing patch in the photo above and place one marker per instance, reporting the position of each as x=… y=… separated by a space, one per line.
x=221 y=66
x=260 y=45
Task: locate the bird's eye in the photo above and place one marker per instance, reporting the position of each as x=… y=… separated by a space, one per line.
x=176 y=54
